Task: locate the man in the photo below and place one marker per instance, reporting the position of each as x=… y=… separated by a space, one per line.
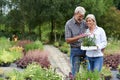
x=74 y=31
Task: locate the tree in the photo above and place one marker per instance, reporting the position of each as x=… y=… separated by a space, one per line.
x=111 y=23
x=15 y=21
x=97 y=7
x=117 y=4
x=2 y=8
x=58 y=13
x=32 y=13
x=2 y=5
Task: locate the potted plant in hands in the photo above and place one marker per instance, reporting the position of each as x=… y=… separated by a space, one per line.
x=89 y=43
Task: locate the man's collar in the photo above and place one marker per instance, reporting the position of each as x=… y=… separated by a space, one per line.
x=74 y=21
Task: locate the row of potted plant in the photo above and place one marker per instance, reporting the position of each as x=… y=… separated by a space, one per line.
x=8 y=52
x=33 y=72
x=84 y=74
x=33 y=53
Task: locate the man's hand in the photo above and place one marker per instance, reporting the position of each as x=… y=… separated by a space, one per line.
x=83 y=35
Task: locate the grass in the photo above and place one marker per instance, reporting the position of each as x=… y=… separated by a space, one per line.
x=113 y=47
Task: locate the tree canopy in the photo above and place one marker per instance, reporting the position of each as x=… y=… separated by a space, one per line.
x=34 y=13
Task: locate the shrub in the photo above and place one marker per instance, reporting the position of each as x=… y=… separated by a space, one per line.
x=33 y=72
x=106 y=72
x=33 y=46
x=9 y=56
x=5 y=57
x=14 y=75
x=38 y=56
x=4 y=43
x=112 y=60
x=65 y=48
x=56 y=44
x=16 y=52
x=88 y=75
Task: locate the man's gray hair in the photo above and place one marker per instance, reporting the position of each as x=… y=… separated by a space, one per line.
x=80 y=10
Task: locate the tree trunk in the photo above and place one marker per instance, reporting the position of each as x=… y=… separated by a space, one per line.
x=52 y=33
x=40 y=33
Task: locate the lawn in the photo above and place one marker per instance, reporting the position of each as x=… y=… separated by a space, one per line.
x=113 y=47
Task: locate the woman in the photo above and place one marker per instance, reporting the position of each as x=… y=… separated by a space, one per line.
x=95 y=57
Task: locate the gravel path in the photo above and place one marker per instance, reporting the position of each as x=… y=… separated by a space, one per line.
x=59 y=61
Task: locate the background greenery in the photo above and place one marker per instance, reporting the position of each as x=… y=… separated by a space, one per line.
x=46 y=18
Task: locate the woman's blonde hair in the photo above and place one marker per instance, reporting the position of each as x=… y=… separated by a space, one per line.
x=92 y=17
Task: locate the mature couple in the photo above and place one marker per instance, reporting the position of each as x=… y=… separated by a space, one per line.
x=75 y=30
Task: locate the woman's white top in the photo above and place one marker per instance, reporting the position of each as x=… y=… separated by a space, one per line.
x=100 y=41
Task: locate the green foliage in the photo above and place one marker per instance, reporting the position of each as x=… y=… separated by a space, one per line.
x=15 y=75
x=98 y=8
x=4 y=43
x=34 y=72
x=56 y=44
x=88 y=75
x=16 y=52
x=13 y=22
x=54 y=14
x=106 y=71
x=113 y=46
x=119 y=68
x=111 y=23
x=117 y=3
x=88 y=41
x=1 y=79
x=45 y=28
x=5 y=57
x=9 y=56
x=65 y=48
x=32 y=15
x=35 y=45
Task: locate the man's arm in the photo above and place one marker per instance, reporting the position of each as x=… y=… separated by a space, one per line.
x=76 y=38
x=68 y=35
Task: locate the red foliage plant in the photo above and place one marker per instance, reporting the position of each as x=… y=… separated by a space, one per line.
x=40 y=57
x=112 y=61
